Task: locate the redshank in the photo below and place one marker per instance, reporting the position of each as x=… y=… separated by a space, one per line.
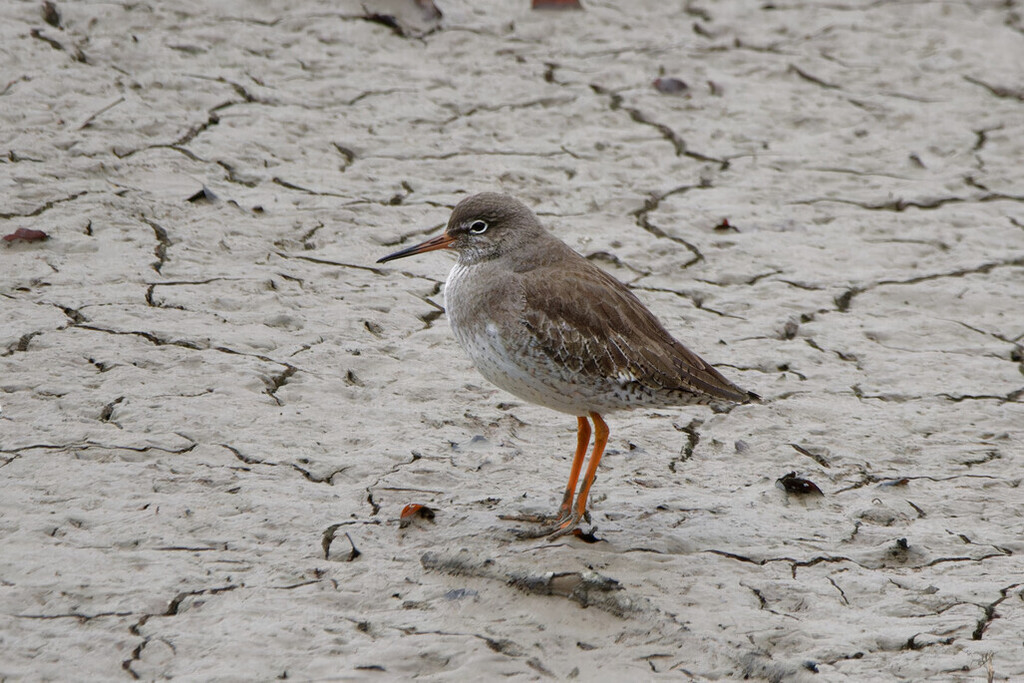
x=543 y=323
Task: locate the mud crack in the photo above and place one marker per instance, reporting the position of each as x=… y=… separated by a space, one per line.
x=692 y=439
x=163 y=242
x=275 y=382
x=998 y=90
x=651 y=204
x=899 y=204
x=990 y=614
x=794 y=69
x=328 y=262
x=673 y=138
x=844 y=300
x=174 y=607
x=45 y=207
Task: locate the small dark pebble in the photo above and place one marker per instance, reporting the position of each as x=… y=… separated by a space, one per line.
x=556 y=4
x=670 y=86
x=51 y=15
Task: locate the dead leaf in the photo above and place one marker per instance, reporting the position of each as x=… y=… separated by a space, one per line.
x=27 y=235
x=414 y=511
x=790 y=483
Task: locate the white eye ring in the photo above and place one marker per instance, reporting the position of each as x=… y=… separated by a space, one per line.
x=478 y=227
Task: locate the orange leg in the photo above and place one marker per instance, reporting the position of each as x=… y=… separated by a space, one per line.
x=600 y=441
x=565 y=513
x=582 y=441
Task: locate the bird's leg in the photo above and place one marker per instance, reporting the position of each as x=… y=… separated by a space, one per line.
x=582 y=441
x=600 y=441
x=565 y=509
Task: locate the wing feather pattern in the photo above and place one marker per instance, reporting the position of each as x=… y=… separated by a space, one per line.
x=594 y=325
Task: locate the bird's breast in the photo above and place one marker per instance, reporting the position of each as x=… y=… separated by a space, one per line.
x=477 y=296
x=485 y=313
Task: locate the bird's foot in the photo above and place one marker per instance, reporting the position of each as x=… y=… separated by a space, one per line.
x=546 y=524
x=550 y=526
x=568 y=526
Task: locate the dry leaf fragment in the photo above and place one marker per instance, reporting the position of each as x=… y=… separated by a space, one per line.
x=790 y=483
x=414 y=511
x=27 y=235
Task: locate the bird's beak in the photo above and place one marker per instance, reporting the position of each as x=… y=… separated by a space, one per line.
x=442 y=241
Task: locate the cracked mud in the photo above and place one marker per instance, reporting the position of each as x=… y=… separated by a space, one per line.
x=214 y=405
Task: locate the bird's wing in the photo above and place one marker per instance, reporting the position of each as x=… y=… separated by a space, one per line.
x=590 y=322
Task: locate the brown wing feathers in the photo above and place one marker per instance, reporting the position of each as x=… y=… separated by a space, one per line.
x=568 y=317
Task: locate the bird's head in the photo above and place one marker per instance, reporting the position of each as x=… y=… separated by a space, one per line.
x=481 y=227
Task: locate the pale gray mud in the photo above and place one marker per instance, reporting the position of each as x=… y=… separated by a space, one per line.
x=215 y=405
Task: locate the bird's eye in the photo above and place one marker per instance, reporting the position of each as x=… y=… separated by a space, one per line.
x=478 y=227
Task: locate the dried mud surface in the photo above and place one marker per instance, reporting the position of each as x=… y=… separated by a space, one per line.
x=215 y=405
